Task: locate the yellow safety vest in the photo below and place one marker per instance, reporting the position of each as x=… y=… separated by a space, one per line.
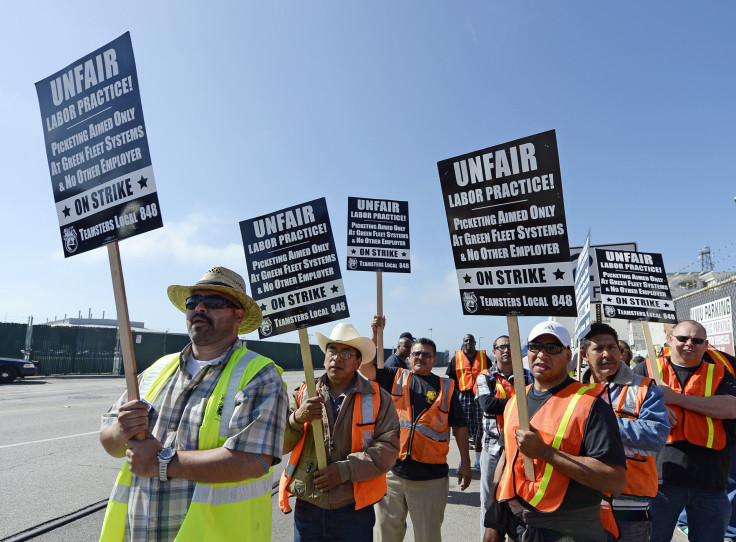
x=218 y=512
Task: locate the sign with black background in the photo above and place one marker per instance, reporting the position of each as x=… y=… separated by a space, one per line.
x=634 y=286
x=595 y=283
x=378 y=235
x=506 y=217
x=97 y=149
x=293 y=269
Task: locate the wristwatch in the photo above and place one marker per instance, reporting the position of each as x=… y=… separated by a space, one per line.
x=164 y=456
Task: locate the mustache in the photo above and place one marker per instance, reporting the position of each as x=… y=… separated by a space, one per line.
x=199 y=317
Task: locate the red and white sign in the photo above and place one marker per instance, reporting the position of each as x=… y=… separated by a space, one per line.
x=717 y=318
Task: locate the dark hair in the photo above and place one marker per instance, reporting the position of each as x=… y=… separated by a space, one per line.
x=406 y=335
x=426 y=342
x=499 y=337
x=597 y=328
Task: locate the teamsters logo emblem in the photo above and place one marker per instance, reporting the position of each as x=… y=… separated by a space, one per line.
x=470 y=301
x=610 y=311
x=70 y=240
x=352 y=263
x=266 y=326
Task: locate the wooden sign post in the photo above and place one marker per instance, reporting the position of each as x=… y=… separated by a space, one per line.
x=121 y=305
x=295 y=278
x=312 y=392
x=651 y=352
x=379 y=312
x=378 y=241
x=519 y=387
x=506 y=218
x=86 y=220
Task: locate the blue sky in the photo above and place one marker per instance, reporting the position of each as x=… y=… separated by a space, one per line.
x=251 y=107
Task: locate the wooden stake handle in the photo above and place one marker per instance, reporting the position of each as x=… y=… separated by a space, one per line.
x=319 y=437
x=520 y=387
x=651 y=352
x=126 y=337
x=379 y=311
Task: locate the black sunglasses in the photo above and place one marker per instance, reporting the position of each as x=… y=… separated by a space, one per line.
x=210 y=301
x=684 y=339
x=550 y=348
x=502 y=347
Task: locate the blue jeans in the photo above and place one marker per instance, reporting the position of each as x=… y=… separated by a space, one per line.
x=708 y=513
x=315 y=524
x=731 y=490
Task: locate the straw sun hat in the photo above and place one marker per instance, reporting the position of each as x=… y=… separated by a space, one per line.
x=221 y=279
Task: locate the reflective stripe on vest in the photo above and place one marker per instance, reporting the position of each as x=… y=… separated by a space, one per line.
x=215 y=494
x=365 y=413
x=245 y=501
x=557 y=419
x=691 y=426
x=467 y=373
x=717 y=356
x=557 y=442
x=641 y=467
x=426 y=439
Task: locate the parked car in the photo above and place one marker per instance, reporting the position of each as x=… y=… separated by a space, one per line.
x=10 y=369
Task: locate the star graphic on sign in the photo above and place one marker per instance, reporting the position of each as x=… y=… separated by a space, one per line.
x=334 y=289
x=143 y=182
x=559 y=274
x=403 y=254
x=66 y=211
x=467 y=278
x=666 y=305
x=263 y=306
x=353 y=251
x=608 y=299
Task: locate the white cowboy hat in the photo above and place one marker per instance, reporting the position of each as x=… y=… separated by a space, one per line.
x=221 y=279
x=347 y=334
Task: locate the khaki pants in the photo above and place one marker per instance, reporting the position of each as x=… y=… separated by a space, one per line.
x=425 y=502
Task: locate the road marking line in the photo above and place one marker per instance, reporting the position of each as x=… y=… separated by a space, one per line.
x=49 y=439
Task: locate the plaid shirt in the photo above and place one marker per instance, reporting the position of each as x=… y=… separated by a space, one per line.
x=157 y=509
x=492 y=440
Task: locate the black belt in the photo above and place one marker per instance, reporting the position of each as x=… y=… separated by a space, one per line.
x=632 y=515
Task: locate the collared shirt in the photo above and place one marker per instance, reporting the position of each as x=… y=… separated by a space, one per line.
x=157 y=509
x=491 y=406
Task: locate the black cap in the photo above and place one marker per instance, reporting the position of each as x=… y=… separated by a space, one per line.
x=406 y=335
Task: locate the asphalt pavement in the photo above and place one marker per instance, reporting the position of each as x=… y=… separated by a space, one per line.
x=53 y=465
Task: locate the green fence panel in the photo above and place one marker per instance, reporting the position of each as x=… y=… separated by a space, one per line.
x=12 y=340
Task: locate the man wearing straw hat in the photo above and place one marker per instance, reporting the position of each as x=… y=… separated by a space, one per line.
x=200 y=444
x=361 y=436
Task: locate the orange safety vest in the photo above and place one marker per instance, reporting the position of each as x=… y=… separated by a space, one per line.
x=695 y=428
x=427 y=439
x=641 y=470
x=365 y=413
x=504 y=390
x=467 y=373
x=560 y=422
x=715 y=355
x=607 y=519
